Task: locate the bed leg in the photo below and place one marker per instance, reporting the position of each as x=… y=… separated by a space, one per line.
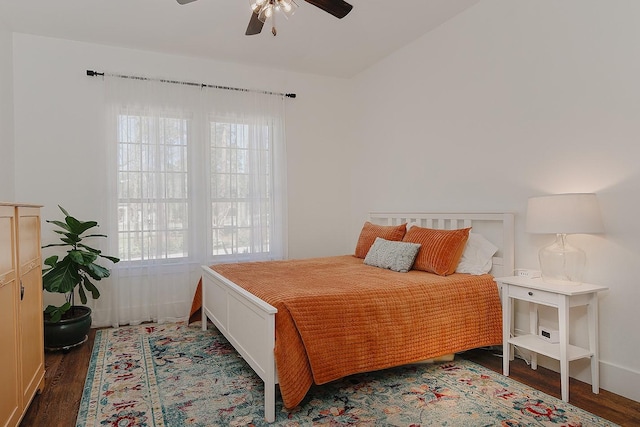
x=269 y=402
x=204 y=321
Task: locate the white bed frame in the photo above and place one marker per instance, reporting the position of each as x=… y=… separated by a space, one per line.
x=249 y=323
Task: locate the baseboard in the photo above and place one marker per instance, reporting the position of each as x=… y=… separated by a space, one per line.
x=613 y=378
x=620 y=380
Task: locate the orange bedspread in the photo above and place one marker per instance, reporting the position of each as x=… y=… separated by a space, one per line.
x=337 y=316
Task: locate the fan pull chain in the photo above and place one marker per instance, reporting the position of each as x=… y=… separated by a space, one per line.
x=273 y=25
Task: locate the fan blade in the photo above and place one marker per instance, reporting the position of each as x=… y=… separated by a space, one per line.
x=338 y=8
x=255 y=25
x=185 y=1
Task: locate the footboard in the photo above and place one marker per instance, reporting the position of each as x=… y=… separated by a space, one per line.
x=248 y=323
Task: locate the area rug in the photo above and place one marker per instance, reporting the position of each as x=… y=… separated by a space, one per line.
x=176 y=375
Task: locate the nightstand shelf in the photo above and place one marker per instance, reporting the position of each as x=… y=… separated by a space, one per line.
x=563 y=297
x=534 y=343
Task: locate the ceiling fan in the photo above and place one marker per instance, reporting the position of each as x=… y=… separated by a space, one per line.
x=263 y=10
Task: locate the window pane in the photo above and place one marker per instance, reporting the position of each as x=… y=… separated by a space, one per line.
x=240 y=185
x=153 y=187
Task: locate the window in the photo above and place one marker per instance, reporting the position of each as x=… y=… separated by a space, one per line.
x=195 y=176
x=159 y=160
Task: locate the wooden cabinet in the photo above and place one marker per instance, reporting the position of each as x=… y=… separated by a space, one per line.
x=10 y=395
x=21 y=328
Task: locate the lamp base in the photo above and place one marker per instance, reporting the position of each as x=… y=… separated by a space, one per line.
x=561 y=263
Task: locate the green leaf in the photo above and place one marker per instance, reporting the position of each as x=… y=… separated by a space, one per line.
x=89 y=248
x=55 y=316
x=55 y=313
x=59 y=224
x=83 y=296
x=54 y=244
x=72 y=237
x=51 y=261
x=79 y=227
x=111 y=258
x=96 y=271
x=95 y=235
x=62 y=278
x=95 y=294
x=99 y=253
x=82 y=257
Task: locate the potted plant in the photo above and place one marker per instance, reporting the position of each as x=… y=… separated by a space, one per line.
x=67 y=325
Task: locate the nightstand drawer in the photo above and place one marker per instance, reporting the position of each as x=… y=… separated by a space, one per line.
x=533 y=295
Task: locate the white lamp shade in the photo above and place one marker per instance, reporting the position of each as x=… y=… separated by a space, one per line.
x=576 y=213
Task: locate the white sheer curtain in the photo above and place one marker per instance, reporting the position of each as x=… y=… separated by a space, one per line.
x=197 y=176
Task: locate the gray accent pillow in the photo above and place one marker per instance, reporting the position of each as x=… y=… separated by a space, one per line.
x=396 y=256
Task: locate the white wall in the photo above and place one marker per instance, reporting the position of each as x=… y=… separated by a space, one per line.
x=6 y=115
x=59 y=131
x=509 y=100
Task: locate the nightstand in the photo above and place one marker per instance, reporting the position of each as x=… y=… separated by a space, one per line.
x=563 y=297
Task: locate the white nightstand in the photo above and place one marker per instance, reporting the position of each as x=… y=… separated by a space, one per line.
x=563 y=297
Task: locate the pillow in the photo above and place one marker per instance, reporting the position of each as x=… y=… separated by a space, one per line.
x=477 y=257
x=396 y=256
x=371 y=231
x=441 y=249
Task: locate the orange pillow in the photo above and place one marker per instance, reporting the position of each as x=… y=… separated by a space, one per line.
x=440 y=250
x=371 y=231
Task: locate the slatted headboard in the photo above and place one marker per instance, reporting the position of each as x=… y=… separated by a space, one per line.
x=498 y=228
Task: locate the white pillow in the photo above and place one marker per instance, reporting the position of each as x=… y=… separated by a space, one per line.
x=477 y=256
x=396 y=256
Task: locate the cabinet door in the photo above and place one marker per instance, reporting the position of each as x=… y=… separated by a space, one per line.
x=10 y=403
x=31 y=322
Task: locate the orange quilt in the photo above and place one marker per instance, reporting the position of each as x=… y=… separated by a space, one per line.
x=337 y=316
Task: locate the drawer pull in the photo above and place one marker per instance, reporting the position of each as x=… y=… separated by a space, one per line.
x=530 y=293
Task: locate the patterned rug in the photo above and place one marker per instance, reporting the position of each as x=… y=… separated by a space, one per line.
x=177 y=375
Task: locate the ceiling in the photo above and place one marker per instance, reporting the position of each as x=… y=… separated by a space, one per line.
x=312 y=41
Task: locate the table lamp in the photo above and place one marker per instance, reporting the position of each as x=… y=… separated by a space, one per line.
x=562 y=214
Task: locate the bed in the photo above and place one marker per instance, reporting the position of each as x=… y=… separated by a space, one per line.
x=296 y=325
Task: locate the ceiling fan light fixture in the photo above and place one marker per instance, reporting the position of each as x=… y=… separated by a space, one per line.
x=266 y=8
x=287 y=7
x=265 y=12
x=256 y=5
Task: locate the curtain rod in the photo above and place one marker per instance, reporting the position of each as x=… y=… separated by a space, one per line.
x=92 y=73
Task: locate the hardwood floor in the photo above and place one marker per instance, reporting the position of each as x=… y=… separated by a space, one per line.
x=58 y=405
x=607 y=405
x=64 y=377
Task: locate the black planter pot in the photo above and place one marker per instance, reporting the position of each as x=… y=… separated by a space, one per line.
x=68 y=332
